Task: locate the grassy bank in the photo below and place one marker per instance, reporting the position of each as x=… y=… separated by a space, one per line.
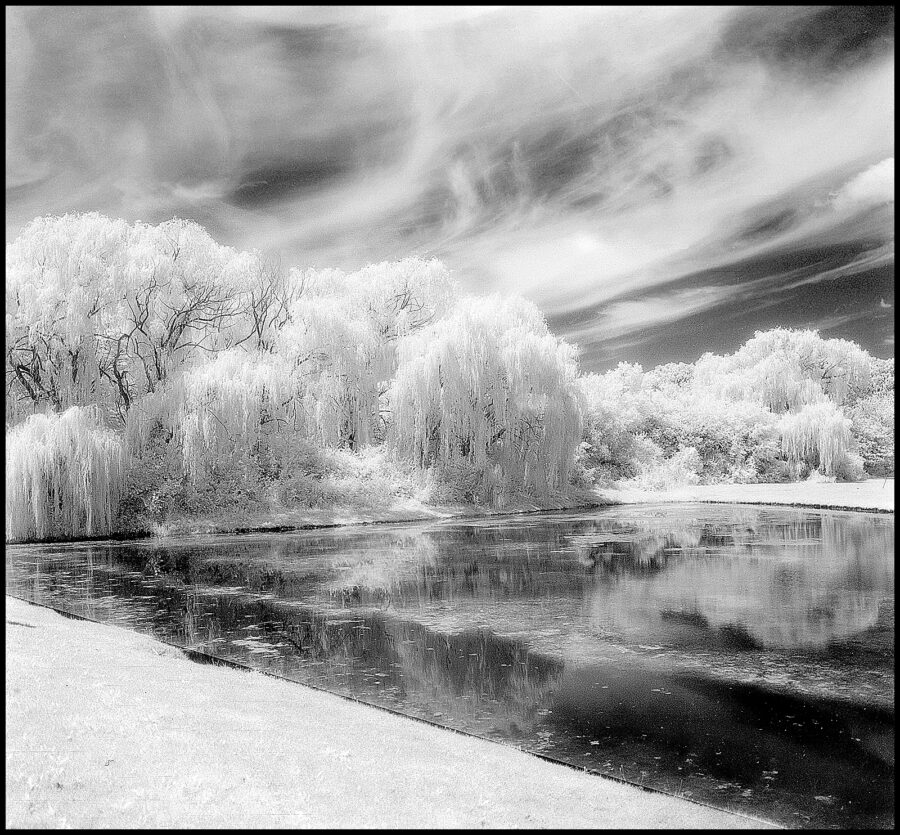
x=410 y=510
x=870 y=495
x=108 y=728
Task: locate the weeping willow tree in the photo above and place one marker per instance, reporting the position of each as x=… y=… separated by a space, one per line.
x=221 y=414
x=63 y=476
x=487 y=398
x=104 y=312
x=59 y=276
x=342 y=341
x=818 y=435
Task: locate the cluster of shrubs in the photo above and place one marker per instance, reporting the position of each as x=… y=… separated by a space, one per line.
x=788 y=404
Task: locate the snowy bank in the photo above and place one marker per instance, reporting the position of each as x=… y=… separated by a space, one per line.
x=874 y=494
x=107 y=728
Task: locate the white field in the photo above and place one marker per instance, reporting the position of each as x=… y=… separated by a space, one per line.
x=108 y=728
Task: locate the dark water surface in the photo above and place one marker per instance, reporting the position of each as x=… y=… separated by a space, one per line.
x=741 y=656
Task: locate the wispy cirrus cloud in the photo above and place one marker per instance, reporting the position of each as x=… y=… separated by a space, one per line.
x=636 y=315
x=873 y=187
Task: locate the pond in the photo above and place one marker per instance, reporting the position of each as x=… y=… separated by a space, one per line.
x=739 y=656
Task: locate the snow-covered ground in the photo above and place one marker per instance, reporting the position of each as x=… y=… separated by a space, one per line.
x=107 y=728
x=873 y=494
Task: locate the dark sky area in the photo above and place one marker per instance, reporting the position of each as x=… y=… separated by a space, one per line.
x=660 y=181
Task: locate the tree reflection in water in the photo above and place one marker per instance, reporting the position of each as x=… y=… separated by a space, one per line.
x=753 y=583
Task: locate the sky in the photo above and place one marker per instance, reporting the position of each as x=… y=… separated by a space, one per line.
x=660 y=181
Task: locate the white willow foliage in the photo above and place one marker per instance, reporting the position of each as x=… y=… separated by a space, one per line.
x=488 y=395
x=806 y=379
x=58 y=266
x=817 y=431
x=225 y=406
x=619 y=391
x=59 y=273
x=786 y=369
x=102 y=312
x=342 y=341
x=63 y=476
x=744 y=412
